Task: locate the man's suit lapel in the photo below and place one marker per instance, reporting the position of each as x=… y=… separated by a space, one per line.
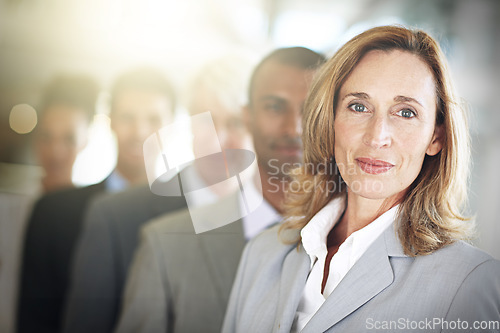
x=222 y=247
x=371 y=274
x=163 y=204
x=293 y=278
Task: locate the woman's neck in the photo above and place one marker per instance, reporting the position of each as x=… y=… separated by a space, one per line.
x=361 y=211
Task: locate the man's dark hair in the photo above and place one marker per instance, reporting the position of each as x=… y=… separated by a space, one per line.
x=144 y=79
x=299 y=57
x=79 y=91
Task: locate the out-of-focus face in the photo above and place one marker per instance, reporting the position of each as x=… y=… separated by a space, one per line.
x=62 y=133
x=228 y=122
x=231 y=131
x=385 y=124
x=274 y=116
x=135 y=115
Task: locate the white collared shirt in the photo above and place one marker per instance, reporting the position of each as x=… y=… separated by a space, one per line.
x=256 y=221
x=262 y=217
x=192 y=179
x=314 y=238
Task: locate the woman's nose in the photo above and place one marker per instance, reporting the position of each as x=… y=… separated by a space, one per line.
x=378 y=133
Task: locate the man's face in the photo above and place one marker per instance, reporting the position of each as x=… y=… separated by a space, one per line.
x=61 y=135
x=136 y=115
x=231 y=131
x=274 y=116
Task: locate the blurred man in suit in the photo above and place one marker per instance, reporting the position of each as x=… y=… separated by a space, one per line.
x=65 y=113
x=142 y=101
x=180 y=281
x=110 y=234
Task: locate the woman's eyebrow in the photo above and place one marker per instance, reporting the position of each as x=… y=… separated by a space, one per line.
x=399 y=98
x=361 y=95
x=406 y=99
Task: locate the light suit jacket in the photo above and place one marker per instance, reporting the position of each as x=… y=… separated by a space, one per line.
x=180 y=281
x=384 y=287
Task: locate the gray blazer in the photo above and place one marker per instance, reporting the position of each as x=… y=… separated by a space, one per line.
x=180 y=281
x=384 y=290
x=104 y=252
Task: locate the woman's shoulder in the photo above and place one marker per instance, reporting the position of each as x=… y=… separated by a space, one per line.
x=472 y=278
x=268 y=250
x=463 y=259
x=465 y=252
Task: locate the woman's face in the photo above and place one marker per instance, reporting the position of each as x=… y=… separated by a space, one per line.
x=385 y=124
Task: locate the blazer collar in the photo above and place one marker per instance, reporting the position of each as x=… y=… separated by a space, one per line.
x=222 y=247
x=161 y=204
x=371 y=274
x=392 y=242
x=296 y=267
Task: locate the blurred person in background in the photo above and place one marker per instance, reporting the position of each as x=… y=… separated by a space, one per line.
x=110 y=234
x=65 y=111
x=179 y=280
x=142 y=101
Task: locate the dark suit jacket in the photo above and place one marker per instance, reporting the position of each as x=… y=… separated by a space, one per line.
x=49 y=241
x=104 y=253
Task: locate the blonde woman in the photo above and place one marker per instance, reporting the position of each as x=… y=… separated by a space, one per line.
x=374 y=234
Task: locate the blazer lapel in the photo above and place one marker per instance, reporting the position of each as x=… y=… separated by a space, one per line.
x=164 y=204
x=296 y=268
x=222 y=248
x=223 y=251
x=371 y=274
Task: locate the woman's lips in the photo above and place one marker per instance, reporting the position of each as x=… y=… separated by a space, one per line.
x=372 y=166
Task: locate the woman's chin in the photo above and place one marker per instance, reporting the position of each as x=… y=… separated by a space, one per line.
x=370 y=190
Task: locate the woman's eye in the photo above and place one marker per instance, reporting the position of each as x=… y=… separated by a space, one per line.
x=406 y=113
x=358 y=107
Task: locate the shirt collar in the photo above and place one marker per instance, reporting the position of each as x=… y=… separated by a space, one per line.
x=316 y=231
x=203 y=195
x=314 y=234
x=364 y=237
x=262 y=217
x=115 y=182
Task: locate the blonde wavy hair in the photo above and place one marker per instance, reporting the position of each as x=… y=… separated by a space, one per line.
x=430 y=213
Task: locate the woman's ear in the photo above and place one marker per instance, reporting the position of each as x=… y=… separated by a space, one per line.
x=437 y=141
